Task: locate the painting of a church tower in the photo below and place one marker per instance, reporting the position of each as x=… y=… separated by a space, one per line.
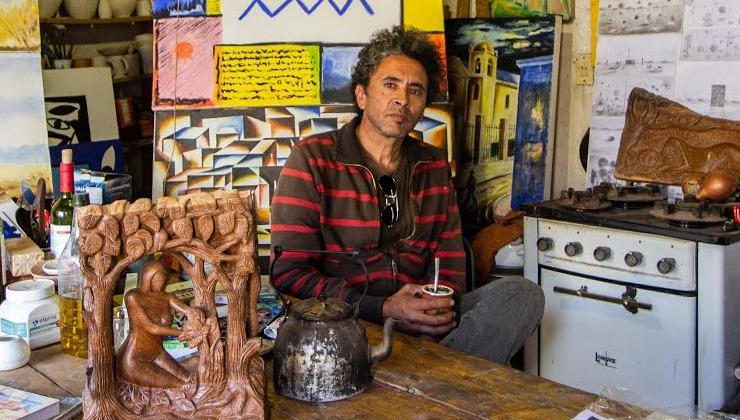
x=496 y=68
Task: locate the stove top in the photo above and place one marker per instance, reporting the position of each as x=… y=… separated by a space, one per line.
x=649 y=213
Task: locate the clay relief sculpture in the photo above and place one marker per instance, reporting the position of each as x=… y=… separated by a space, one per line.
x=142 y=380
x=665 y=142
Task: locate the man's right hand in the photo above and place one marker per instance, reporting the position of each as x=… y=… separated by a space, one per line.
x=407 y=306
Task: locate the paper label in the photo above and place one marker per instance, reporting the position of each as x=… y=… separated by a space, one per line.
x=42 y=323
x=58 y=237
x=13 y=328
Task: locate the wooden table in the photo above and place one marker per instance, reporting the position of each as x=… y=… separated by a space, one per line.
x=420 y=380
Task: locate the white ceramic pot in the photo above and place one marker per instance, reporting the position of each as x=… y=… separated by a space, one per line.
x=14 y=352
x=81 y=9
x=48 y=8
x=122 y=8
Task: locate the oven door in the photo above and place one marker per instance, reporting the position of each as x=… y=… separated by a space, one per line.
x=592 y=336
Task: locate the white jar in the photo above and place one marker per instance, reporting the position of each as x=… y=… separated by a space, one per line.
x=31 y=311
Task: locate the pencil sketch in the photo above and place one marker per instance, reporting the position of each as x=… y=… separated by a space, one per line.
x=709 y=89
x=611 y=92
x=602 y=152
x=648 y=55
x=711 y=13
x=620 y=17
x=722 y=44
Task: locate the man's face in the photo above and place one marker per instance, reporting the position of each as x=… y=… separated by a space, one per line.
x=395 y=97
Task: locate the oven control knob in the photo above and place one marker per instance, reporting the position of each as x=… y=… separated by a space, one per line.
x=666 y=265
x=633 y=258
x=602 y=253
x=544 y=244
x=573 y=249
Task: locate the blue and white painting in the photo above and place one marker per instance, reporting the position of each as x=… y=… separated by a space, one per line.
x=24 y=154
x=336 y=73
x=174 y=8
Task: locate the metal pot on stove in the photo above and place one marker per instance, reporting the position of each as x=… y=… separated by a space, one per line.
x=322 y=354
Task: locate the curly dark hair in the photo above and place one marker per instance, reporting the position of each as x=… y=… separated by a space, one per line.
x=409 y=42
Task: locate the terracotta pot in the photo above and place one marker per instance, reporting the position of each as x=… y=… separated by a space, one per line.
x=48 y=8
x=718 y=185
x=81 y=9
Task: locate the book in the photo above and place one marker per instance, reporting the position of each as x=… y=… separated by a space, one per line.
x=16 y=404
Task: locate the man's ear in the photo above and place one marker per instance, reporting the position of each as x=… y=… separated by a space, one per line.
x=361 y=96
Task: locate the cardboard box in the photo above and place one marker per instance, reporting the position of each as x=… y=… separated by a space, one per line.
x=103 y=187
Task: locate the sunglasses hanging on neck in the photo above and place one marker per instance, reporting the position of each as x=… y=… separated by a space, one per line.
x=389 y=214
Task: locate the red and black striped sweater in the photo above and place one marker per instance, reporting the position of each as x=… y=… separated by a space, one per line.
x=326 y=199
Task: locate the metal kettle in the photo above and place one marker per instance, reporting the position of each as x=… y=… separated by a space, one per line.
x=322 y=354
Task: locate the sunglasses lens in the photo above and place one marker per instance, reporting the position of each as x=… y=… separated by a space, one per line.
x=389 y=216
x=387 y=184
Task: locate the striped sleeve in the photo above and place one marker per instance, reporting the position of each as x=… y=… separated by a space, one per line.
x=450 y=249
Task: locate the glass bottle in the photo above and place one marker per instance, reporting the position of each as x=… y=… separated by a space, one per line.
x=63 y=209
x=73 y=329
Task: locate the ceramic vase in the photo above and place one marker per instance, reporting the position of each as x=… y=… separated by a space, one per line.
x=48 y=8
x=122 y=8
x=104 y=9
x=81 y=9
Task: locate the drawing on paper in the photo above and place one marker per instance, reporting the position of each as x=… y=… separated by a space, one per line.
x=263 y=75
x=487 y=62
x=25 y=154
x=209 y=150
x=603 y=147
x=307 y=7
x=19 y=25
x=174 y=8
x=336 y=73
x=710 y=89
x=184 y=55
x=530 y=8
x=67 y=120
x=620 y=17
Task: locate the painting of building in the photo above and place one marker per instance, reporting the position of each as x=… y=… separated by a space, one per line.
x=487 y=59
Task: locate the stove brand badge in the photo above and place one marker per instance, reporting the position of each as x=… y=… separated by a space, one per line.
x=606 y=360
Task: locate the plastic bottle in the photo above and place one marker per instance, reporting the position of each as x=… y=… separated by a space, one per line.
x=70 y=282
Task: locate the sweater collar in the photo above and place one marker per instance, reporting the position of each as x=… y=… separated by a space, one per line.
x=348 y=149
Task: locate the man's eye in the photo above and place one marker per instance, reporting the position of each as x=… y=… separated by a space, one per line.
x=389 y=85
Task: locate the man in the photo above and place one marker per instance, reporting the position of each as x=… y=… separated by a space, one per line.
x=369 y=187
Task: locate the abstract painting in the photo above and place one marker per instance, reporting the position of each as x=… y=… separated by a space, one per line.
x=502 y=80
x=24 y=154
x=210 y=150
x=526 y=8
x=177 y=8
x=336 y=72
x=184 y=61
x=19 y=25
x=67 y=120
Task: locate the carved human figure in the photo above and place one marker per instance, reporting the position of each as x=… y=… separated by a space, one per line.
x=142 y=360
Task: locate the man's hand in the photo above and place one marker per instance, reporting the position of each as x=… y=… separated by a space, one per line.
x=407 y=306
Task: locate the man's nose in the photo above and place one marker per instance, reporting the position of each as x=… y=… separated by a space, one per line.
x=402 y=97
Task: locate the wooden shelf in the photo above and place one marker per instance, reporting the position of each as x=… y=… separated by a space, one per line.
x=112 y=21
x=132 y=79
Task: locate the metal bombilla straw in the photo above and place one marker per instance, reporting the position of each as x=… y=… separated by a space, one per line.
x=436 y=274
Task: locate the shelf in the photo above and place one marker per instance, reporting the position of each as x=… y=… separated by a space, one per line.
x=132 y=79
x=112 y=21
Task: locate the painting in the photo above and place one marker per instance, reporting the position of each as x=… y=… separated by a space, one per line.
x=336 y=72
x=19 y=25
x=184 y=61
x=177 y=8
x=24 y=154
x=74 y=95
x=524 y=8
x=501 y=74
x=245 y=149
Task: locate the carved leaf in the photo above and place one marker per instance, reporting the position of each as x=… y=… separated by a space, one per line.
x=140 y=205
x=112 y=248
x=145 y=237
x=150 y=221
x=225 y=222
x=90 y=218
x=117 y=208
x=135 y=247
x=102 y=264
x=204 y=227
x=91 y=243
x=160 y=239
x=109 y=227
x=183 y=228
x=130 y=224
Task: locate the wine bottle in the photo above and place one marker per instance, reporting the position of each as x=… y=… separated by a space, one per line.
x=63 y=209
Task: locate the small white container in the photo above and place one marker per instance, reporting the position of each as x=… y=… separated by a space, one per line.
x=14 y=352
x=31 y=311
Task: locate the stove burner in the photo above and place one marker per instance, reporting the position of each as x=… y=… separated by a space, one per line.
x=689 y=212
x=631 y=197
x=583 y=200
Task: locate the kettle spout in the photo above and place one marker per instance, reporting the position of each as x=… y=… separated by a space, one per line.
x=381 y=351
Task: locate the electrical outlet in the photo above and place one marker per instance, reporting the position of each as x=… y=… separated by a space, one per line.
x=584 y=71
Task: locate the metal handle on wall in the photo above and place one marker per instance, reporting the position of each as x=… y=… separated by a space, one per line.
x=627 y=300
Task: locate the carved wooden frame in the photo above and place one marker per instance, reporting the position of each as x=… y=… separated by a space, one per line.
x=218 y=229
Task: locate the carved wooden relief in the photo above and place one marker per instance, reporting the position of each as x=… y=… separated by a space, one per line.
x=218 y=231
x=665 y=142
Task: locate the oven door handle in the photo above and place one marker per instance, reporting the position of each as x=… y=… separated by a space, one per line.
x=627 y=300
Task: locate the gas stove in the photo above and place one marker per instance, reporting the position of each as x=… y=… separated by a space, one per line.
x=640 y=293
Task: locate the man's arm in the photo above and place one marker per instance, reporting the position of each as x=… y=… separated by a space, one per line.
x=450 y=249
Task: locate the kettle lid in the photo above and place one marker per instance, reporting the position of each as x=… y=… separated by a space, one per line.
x=322 y=309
